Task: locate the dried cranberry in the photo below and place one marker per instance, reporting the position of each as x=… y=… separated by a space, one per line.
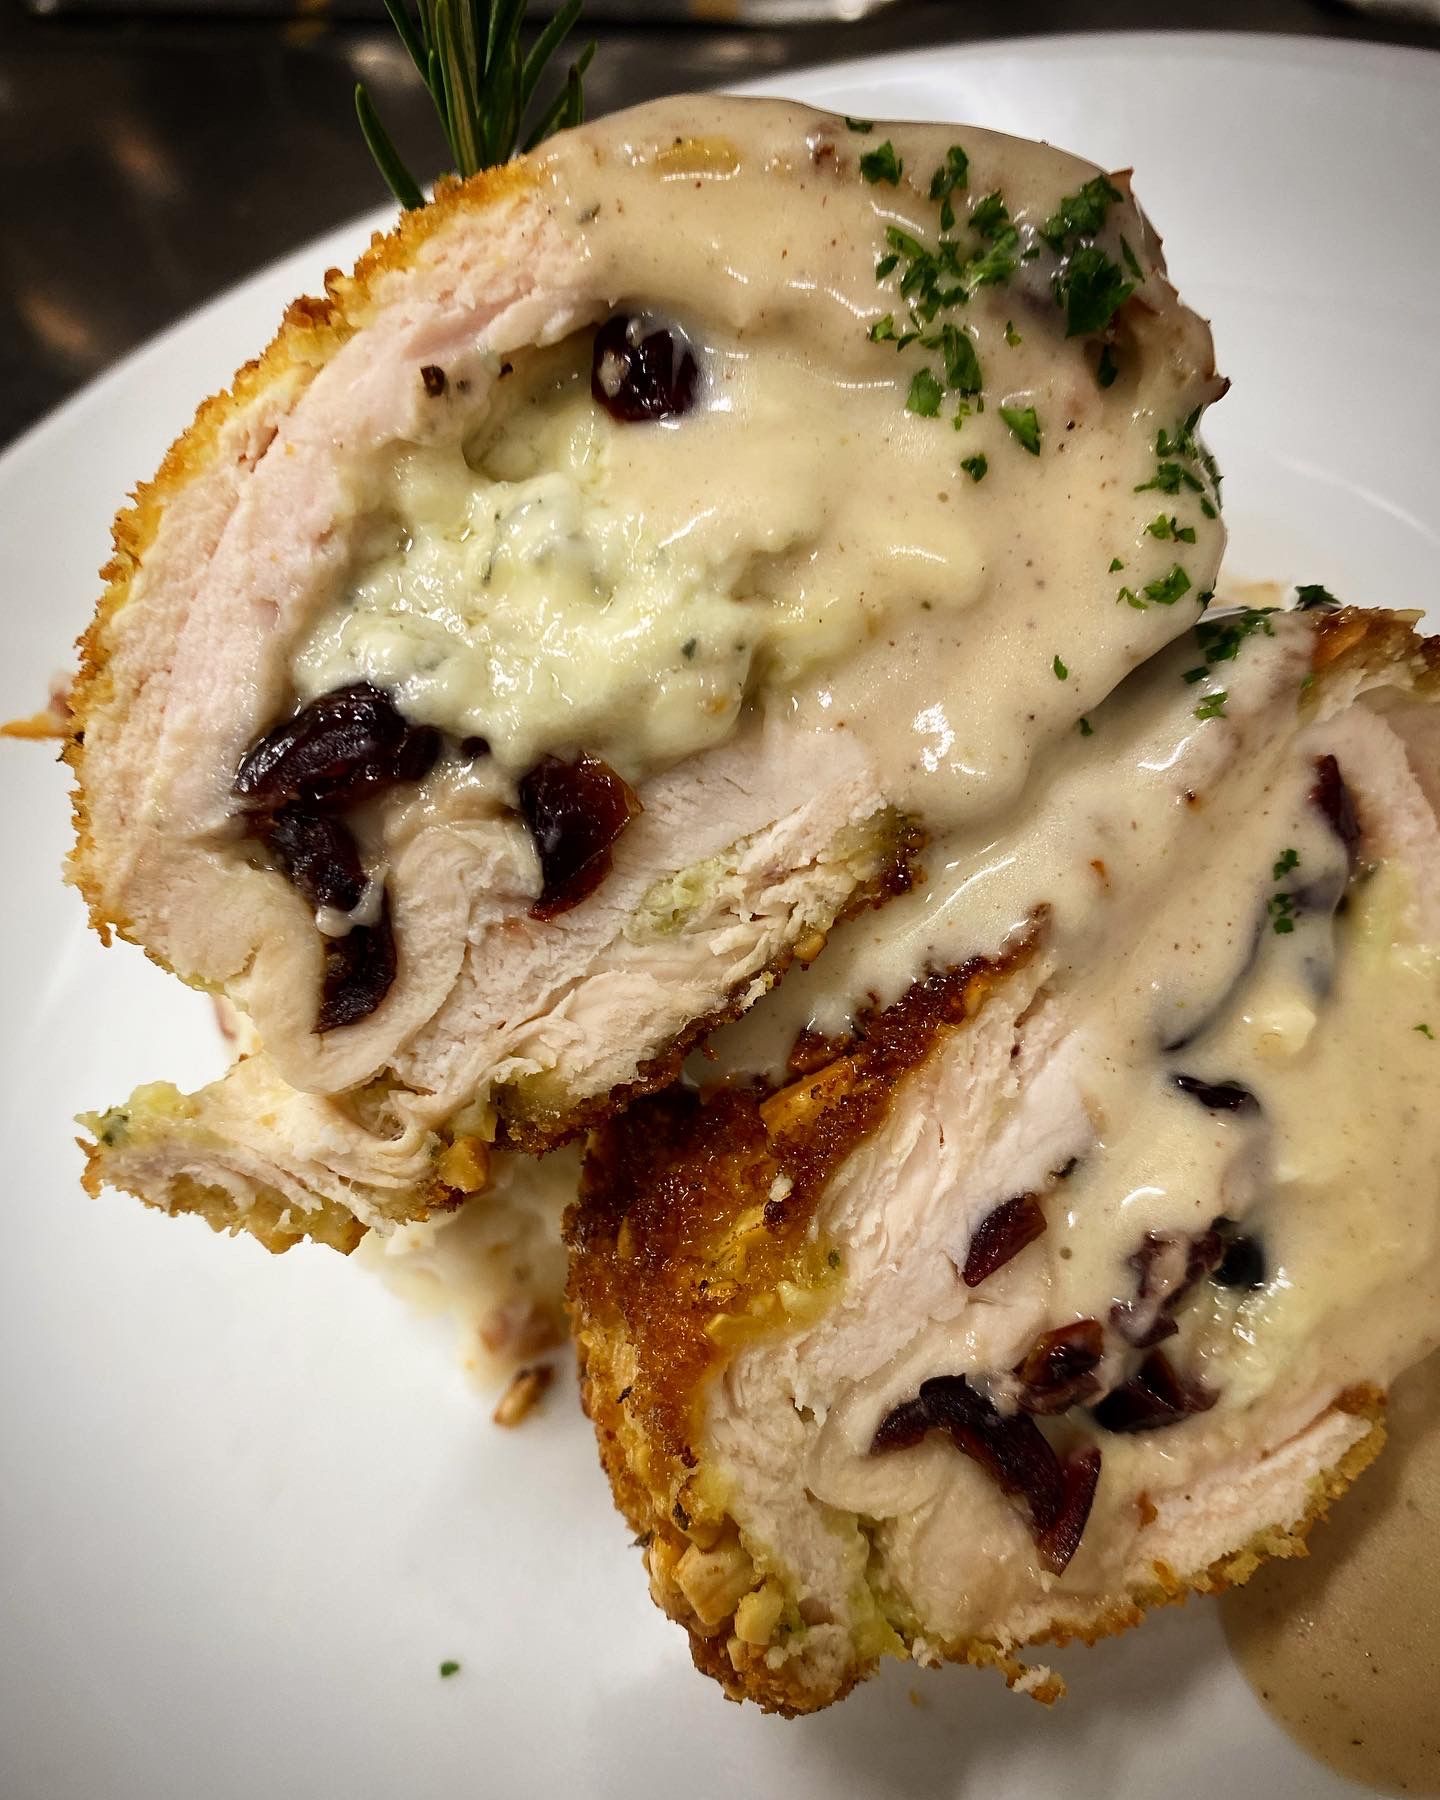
x=1333 y=798
x=335 y=751
x=1219 y=1096
x=1243 y=1264
x=1001 y=1235
x=1058 y=1541
x=1168 y=1268
x=1057 y=1370
x=576 y=812
x=1012 y=1450
x=1155 y=1396
x=637 y=374
x=317 y=855
x=359 y=970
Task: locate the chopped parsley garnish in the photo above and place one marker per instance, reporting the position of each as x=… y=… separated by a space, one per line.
x=1085 y=728
x=925 y=394
x=1220 y=639
x=882 y=164
x=1425 y=1029
x=1106 y=369
x=1132 y=262
x=447 y=1669
x=1088 y=284
x=1012 y=336
x=1285 y=862
x=1115 y=563
x=1024 y=426
x=1212 y=706
x=863 y=126
x=990 y=217
x=1181 y=462
x=938 y=278
x=953 y=173
x=1081 y=215
x=1161 y=527
x=1092 y=289
x=976 y=467
x=1281 y=908
x=1061 y=672
x=1167 y=589
x=1131 y=598
x=1311 y=597
x=962 y=365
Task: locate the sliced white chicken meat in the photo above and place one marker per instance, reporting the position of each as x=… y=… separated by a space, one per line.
x=1071 y=1279
x=590 y=602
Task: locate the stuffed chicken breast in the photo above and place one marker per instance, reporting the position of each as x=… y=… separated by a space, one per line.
x=1047 y=1254
x=593 y=599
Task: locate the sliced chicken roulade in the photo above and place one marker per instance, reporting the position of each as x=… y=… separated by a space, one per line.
x=1066 y=1272
x=588 y=603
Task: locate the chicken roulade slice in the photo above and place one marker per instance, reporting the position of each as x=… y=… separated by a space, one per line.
x=1071 y=1276
x=591 y=600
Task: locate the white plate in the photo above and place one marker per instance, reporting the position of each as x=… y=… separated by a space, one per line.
x=246 y=1506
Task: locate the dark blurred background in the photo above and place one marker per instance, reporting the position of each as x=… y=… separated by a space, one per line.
x=149 y=157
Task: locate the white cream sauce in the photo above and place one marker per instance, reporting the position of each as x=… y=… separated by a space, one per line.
x=550 y=579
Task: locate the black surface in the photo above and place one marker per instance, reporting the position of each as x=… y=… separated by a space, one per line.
x=147 y=165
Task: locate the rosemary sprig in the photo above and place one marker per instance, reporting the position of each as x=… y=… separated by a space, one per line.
x=482 y=88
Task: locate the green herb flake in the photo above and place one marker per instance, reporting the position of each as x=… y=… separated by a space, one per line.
x=687 y=649
x=1061 y=672
x=1212 y=706
x=882 y=164
x=1311 y=597
x=1285 y=862
x=1162 y=527
x=1115 y=563
x=962 y=365
x=976 y=467
x=1024 y=426
x=1281 y=908
x=1165 y=590
x=447 y=1669
x=1081 y=214
x=1085 y=728
x=1012 y=336
x=925 y=394
x=1131 y=598
x=1106 y=369
x=989 y=217
x=953 y=173
x=1132 y=262
x=1425 y=1031
x=863 y=126
x=883 y=330
x=886 y=266
x=1092 y=289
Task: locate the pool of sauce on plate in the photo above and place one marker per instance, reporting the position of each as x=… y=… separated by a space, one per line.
x=1342 y=1647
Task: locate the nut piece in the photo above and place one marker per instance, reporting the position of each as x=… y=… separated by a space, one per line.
x=523 y=1394
x=758 y=1614
x=715 y=1581
x=465 y=1166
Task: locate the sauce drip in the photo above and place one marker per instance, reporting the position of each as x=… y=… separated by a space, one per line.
x=1341 y=1648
